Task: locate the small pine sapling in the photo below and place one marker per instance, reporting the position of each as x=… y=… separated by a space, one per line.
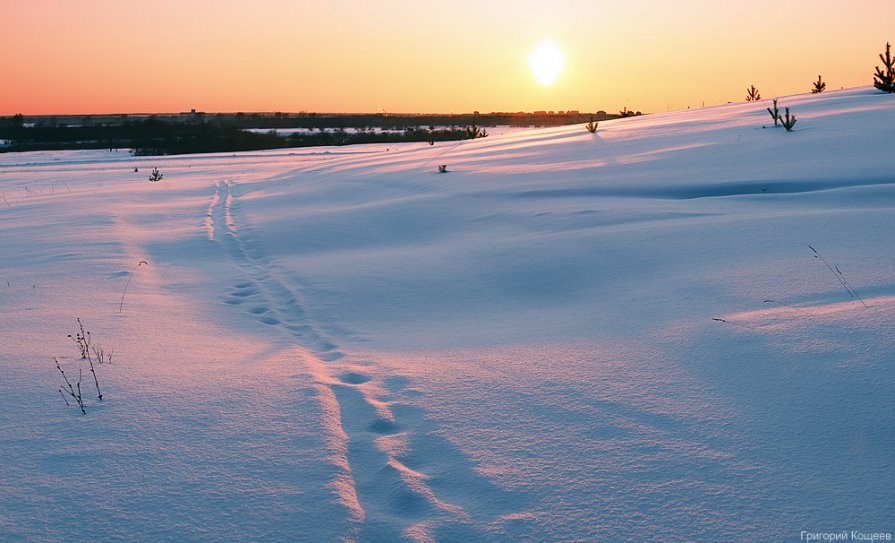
x=788 y=121
x=156 y=175
x=775 y=113
x=474 y=132
x=592 y=125
x=885 y=80
x=752 y=94
x=819 y=86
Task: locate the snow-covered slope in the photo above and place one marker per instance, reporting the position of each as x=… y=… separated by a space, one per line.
x=567 y=337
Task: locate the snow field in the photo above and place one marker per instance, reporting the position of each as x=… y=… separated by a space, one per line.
x=568 y=337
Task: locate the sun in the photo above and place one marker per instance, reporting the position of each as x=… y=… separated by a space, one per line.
x=546 y=62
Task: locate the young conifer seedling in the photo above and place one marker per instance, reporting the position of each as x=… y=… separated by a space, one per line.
x=788 y=121
x=592 y=125
x=884 y=80
x=775 y=113
x=752 y=94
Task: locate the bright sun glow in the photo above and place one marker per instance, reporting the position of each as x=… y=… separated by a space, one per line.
x=546 y=63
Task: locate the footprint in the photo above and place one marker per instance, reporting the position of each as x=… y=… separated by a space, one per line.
x=384 y=427
x=242 y=285
x=325 y=346
x=352 y=378
x=258 y=310
x=233 y=302
x=399 y=386
x=396 y=383
x=243 y=293
x=270 y=320
x=409 y=504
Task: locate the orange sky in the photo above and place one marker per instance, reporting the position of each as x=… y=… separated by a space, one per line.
x=106 y=56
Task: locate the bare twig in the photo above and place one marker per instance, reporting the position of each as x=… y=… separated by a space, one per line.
x=71 y=389
x=734 y=323
x=82 y=339
x=839 y=276
x=102 y=357
x=121 y=305
x=95 y=380
x=62 y=372
x=80 y=401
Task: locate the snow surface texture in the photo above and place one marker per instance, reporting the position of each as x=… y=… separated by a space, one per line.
x=345 y=345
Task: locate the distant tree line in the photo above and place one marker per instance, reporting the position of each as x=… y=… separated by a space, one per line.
x=153 y=136
x=386 y=121
x=197 y=132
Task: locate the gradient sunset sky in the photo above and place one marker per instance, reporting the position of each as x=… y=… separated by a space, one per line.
x=103 y=56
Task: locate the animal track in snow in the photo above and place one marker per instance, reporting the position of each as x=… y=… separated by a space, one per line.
x=387 y=498
x=281 y=304
x=352 y=378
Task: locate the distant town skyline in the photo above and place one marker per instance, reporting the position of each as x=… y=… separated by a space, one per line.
x=403 y=56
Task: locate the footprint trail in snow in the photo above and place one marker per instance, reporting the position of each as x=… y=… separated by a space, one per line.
x=390 y=462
